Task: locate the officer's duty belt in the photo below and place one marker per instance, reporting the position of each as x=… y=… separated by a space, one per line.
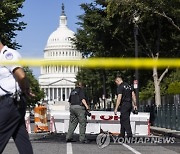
x=4 y=96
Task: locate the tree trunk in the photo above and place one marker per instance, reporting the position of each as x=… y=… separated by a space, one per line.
x=157 y=82
x=157 y=87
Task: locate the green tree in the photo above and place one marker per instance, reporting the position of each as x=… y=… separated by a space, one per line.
x=107 y=31
x=34 y=85
x=94 y=39
x=158 y=27
x=9 y=24
x=147 y=91
x=10 y=21
x=170 y=85
x=174 y=88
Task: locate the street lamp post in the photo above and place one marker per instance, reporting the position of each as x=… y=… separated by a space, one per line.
x=136 y=81
x=104 y=89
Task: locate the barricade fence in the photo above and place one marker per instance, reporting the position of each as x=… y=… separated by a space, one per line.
x=165 y=116
x=102 y=121
x=58 y=122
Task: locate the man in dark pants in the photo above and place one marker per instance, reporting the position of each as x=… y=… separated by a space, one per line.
x=12 y=106
x=78 y=107
x=126 y=99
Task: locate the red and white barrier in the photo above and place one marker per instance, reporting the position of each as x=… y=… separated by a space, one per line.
x=99 y=121
x=103 y=120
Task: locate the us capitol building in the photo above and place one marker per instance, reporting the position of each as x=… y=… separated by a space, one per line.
x=58 y=81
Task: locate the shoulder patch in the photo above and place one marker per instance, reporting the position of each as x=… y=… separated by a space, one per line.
x=9 y=56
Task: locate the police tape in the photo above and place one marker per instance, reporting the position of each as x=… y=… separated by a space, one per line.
x=109 y=63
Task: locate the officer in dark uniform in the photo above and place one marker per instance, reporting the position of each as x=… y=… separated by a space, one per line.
x=13 y=89
x=126 y=99
x=78 y=108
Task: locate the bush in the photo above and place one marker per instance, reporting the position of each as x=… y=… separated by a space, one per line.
x=174 y=88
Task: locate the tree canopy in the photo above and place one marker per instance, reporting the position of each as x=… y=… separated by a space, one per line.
x=107 y=30
x=10 y=22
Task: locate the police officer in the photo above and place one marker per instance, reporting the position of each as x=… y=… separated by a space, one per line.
x=12 y=81
x=78 y=108
x=126 y=99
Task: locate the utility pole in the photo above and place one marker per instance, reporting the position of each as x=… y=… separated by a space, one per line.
x=104 y=89
x=136 y=81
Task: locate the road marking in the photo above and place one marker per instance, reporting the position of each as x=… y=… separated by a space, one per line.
x=69 y=148
x=131 y=149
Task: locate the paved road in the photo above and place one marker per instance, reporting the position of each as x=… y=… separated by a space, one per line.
x=55 y=144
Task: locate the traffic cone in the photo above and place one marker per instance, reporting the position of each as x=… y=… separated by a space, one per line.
x=40 y=119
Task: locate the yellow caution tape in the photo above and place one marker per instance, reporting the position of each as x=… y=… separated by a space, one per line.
x=144 y=63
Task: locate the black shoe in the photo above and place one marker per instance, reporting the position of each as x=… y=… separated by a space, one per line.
x=85 y=141
x=70 y=140
x=121 y=136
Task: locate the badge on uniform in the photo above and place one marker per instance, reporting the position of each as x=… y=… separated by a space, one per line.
x=9 y=56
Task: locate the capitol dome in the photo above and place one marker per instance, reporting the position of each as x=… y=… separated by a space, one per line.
x=62 y=36
x=58 y=81
x=60 y=43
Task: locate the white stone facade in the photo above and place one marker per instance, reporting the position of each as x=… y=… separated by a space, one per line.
x=58 y=81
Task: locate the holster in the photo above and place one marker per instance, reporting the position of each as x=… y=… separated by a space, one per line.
x=20 y=101
x=21 y=105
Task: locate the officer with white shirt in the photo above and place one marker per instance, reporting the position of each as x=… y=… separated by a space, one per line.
x=14 y=88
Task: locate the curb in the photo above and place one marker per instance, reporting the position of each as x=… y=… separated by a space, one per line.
x=165 y=132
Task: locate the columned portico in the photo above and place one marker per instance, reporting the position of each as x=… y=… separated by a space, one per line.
x=56 y=93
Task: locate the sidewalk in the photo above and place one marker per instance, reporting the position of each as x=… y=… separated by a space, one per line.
x=165 y=132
